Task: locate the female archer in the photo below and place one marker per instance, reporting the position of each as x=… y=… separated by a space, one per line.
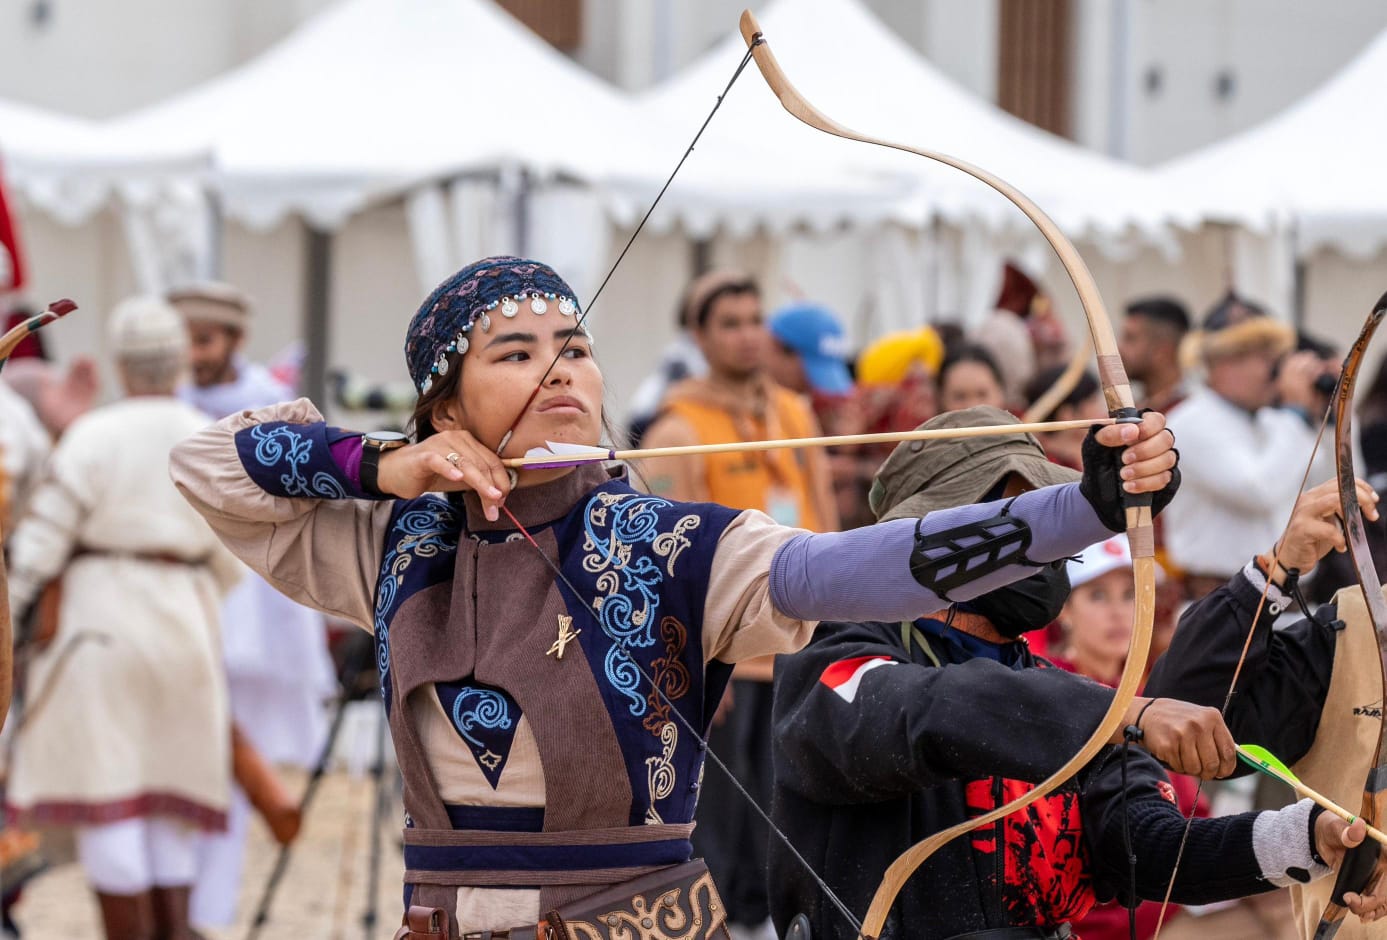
x=551 y=647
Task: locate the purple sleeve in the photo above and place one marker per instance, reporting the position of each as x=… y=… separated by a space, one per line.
x=865 y=574
x=347 y=452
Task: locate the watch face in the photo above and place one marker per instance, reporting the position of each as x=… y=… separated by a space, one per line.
x=386 y=438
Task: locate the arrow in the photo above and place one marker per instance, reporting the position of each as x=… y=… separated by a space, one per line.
x=571 y=455
x=1266 y=762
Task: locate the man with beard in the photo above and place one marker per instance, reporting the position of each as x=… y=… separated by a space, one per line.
x=888 y=732
x=1150 y=348
x=278 y=669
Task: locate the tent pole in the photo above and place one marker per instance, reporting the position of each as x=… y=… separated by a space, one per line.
x=1298 y=272
x=316 y=306
x=216 y=236
x=522 y=214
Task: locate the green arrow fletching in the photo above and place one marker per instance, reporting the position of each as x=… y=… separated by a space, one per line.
x=1267 y=762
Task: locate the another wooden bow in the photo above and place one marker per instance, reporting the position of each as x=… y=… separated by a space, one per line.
x=8 y=343
x=1374 y=806
x=1118 y=393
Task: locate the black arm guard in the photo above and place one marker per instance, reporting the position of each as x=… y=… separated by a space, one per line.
x=942 y=561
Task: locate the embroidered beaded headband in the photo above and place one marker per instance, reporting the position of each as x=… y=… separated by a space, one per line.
x=440 y=329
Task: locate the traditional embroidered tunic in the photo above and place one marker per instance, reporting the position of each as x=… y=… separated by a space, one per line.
x=138 y=724
x=531 y=779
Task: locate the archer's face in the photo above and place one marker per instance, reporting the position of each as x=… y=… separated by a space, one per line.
x=502 y=369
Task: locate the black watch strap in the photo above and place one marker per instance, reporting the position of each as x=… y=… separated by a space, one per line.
x=370 y=468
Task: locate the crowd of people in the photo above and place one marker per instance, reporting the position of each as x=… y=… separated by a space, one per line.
x=737 y=603
x=145 y=647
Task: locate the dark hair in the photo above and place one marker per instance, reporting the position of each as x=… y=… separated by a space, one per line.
x=1222 y=313
x=733 y=289
x=1163 y=310
x=970 y=352
x=1085 y=388
x=443 y=388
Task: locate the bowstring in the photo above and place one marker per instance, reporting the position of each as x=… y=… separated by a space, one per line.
x=583 y=314
x=1242 y=659
x=591 y=606
x=622 y=645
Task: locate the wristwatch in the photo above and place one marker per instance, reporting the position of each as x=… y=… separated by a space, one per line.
x=373 y=444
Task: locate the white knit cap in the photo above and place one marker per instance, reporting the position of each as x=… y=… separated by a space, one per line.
x=147 y=327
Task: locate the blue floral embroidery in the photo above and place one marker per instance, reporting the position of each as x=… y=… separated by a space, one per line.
x=628 y=601
x=424 y=530
x=280 y=447
x=486 y=718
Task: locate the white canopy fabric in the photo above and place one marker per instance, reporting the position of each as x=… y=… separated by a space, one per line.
x=856 y=70
x=1317 y=165
x=375 y=96
x=70 y=167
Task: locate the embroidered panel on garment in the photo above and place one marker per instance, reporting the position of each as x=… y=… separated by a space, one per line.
x=293 y=460
x=642 y=564
x=486 y=719
x=420 y=548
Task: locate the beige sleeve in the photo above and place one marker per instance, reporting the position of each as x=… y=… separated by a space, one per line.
x=678 y=478
x=324 y=553
x=739 y=620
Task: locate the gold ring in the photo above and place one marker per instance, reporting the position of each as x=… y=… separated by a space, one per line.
x=453 y=458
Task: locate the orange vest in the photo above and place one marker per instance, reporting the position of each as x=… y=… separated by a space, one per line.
x=757 y=479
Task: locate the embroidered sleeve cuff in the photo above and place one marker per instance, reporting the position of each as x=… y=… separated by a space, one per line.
x=1282 y=842
x=310 y=461
x=1277 y=599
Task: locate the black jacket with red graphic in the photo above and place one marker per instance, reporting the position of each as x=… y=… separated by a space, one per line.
x=876 y=747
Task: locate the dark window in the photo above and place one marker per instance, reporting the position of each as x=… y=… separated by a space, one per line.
x=1033 y=61
x=557 y=22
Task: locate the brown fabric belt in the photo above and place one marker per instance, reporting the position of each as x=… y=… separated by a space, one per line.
x=165 y=558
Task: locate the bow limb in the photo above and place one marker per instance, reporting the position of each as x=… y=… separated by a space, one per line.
x=8 y=343
x=1118 y=393
x=1374 y=805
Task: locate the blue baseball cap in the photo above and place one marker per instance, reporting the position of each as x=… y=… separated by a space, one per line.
x=816 y=335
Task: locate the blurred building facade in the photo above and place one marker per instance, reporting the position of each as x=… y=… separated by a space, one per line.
x=1140 y=79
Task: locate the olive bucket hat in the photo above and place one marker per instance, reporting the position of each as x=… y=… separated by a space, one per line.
x=922 y=476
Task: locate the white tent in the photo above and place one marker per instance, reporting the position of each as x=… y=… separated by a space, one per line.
x=862 y=74
x=374 y=96
x=1316 y=165
x=71 y=167
x=1303 y=193
x=90 y=205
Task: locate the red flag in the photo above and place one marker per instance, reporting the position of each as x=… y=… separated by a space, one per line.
x=11 y=258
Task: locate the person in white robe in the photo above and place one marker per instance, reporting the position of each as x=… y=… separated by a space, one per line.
x=125 y=734
x=277 y=663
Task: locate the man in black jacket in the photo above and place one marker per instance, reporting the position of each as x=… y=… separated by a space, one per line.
x=1310 y=692
x=886 y=733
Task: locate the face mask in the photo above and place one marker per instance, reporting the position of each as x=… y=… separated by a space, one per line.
x=1025 y=605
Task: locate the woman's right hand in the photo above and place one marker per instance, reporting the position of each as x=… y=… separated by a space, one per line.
x=416 y=469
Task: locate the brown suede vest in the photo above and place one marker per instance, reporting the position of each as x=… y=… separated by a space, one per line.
x=1338 y=762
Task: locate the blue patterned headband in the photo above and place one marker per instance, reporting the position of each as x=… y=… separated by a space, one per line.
x=441 y=326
